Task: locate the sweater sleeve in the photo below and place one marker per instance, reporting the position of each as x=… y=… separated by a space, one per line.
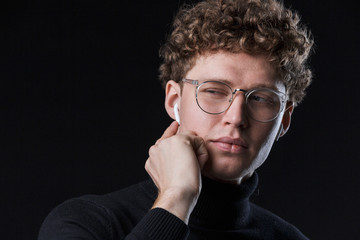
x=159 y=224
x=79 y=219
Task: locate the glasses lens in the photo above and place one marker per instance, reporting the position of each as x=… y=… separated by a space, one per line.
x=263 y=105
x=213 y=97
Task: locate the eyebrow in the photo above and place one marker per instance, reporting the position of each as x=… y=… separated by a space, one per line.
x=273 y=87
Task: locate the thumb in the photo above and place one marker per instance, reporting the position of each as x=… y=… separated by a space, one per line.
x=170 y=131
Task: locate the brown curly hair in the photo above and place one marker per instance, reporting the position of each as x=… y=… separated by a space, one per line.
x=251 y=26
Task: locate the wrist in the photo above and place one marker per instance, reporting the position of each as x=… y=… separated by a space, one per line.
x=178 y=202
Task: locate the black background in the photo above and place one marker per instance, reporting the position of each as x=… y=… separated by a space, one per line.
x=81 y=105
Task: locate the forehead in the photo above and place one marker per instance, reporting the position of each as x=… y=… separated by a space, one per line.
x=239 y=70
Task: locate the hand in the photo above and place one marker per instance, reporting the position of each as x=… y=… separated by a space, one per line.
x=174 y=164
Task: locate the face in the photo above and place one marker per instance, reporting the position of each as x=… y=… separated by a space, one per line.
x=237 y=144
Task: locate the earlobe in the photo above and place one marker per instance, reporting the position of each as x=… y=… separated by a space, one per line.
x=172 y=96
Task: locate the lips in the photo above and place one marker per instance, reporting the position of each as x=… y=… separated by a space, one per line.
x=228 y=144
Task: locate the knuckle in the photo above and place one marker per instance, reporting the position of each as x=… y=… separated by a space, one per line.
x=181 y=139
x=187 y=141
x=165 y=142
x=152 y=150
x=147 y=163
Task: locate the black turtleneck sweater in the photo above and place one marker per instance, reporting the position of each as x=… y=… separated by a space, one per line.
x=223 y=211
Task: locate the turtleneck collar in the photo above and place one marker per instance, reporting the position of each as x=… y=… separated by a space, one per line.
x=223 y=206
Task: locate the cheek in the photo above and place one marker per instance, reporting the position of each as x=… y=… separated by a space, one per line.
x=265 y=133
x=265 y=141
x=196 y=122
x=193 y=119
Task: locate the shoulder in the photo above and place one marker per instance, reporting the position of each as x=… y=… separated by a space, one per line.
x=274 y=226
x=103 y=215
x=136 y=197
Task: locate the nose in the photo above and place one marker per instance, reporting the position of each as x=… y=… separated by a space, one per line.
x=236 y=114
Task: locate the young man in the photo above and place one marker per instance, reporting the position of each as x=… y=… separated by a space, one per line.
x=233 y=72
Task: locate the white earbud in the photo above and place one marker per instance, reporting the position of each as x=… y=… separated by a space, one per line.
x=176 y=112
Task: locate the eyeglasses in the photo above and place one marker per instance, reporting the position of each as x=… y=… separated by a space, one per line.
x=262 y=104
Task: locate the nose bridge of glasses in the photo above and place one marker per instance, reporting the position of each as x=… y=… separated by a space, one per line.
x=237 y=90
x=237 y=107
x=234 y=93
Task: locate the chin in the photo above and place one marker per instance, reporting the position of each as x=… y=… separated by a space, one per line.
x=226 y=172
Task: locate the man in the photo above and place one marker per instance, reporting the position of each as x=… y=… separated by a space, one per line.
x=233 y=72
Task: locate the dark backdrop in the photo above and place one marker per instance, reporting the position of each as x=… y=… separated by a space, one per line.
x=81 y=104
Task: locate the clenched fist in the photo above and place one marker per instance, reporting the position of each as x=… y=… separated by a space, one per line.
x=174 y=164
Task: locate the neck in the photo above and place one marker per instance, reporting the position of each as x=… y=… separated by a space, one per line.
x=223 y=205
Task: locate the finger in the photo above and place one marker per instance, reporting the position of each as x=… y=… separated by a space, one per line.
x=149 y=170
x=200 y=150
x=170 y=131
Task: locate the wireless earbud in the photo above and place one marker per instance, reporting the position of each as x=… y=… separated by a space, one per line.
x=176 y=112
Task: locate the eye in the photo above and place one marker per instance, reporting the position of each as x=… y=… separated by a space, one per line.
x=214 y=93
x=258 y=98
x=214 y=90
x=263 y=98
x=217 y=92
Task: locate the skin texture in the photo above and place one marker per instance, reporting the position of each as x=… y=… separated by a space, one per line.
x=200 y=145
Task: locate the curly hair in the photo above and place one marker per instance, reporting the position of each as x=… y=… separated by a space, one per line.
x=251 y=26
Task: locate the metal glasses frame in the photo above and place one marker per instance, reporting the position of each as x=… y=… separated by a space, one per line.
x=282 y=96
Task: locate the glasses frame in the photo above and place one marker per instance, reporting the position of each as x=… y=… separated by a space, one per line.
x=282 y=97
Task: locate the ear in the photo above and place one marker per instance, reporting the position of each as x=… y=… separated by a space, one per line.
x=172 y=96
x=286 y=120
